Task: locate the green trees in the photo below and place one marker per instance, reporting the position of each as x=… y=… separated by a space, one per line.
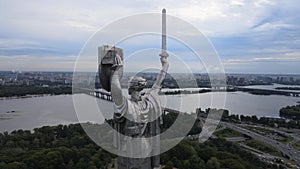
x=68 y=147
x=13 y=165
x=292 y=112
x=213 y=163
x=213 y=154
x=57 y=147
x=46 y=159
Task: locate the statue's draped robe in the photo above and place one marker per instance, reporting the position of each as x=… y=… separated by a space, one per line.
x=138 y=119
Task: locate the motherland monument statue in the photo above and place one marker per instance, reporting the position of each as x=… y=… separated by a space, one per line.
x=138 y=117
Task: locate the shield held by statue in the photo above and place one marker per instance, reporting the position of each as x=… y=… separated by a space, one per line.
x=107 y=57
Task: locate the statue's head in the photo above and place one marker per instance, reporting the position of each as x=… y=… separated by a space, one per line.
x=136 y=84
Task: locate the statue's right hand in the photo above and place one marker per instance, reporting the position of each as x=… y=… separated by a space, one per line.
x=164 y=58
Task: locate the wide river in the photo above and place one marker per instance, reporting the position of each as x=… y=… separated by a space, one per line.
x=29 y=113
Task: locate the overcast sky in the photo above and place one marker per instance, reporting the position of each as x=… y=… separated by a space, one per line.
x=255 y=36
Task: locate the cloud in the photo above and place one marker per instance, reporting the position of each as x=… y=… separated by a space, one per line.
x=283 y=63
x=258 y=31
x=71 y=20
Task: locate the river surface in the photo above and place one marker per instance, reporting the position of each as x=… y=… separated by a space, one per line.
x=29 y=113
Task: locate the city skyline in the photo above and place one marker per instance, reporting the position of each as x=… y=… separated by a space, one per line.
x=258 y=36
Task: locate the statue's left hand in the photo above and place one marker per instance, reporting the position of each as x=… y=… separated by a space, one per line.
x=118 y=62
x=118 y=66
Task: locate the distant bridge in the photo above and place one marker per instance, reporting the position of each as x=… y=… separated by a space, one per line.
x=102 y=94
x=105 y=95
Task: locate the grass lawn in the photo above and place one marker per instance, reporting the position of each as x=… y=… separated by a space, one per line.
x=262 y=147
x=285 y=140
x=297 y=145
x=259 y=130
x=227 y=133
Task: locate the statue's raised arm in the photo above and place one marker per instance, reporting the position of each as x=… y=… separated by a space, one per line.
x=162 y=74
x=164 y=55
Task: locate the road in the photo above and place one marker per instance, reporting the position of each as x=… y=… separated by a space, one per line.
x=292 y=135
x=285 y=149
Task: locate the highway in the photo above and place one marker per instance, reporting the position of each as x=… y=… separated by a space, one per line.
x=294 y=135
x=287 y=150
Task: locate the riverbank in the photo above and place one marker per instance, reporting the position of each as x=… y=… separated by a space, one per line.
x=287 y=88
x=266 y=91
x=290 y=112
x=32 y=91
x=24 y=97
